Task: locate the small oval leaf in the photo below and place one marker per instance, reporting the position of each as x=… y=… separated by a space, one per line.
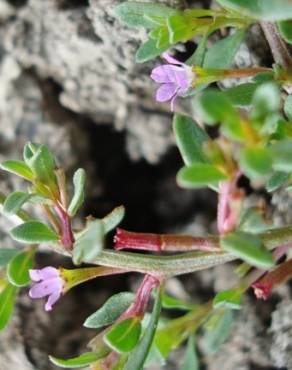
x=271 y=10
x=18 y=168
x=124 y=336
x=42 y=164
x=256 y=162
x=78 y=198
x=199 y=175
x=18 y=268
x=15 y=201
x=111 y=220
x=89 y=243
x=189 y=138
x=228 y=299
x=7 y=299
x=78 y=362
x=249 y=248
x=110 y=311
x=33 y=232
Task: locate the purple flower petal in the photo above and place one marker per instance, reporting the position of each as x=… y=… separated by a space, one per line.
x=43 y=274
x=170 y=59
x=52 y=300
x=166 y=92
x=45 y=288
x=167 y=73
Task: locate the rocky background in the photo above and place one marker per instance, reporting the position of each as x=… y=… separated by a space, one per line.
x=68 y=79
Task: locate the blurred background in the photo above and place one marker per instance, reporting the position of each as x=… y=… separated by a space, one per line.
x=68 y=79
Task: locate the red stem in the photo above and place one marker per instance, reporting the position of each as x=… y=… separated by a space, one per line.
x=163 y=242
x=67 y=237
x=139 y=306
x=227 y=212
x=263 y=283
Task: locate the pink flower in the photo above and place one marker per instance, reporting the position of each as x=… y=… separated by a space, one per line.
x=175 y=79
x=49 y=283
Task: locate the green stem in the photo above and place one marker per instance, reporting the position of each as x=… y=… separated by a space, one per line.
x=163 y=266
x=167 y=266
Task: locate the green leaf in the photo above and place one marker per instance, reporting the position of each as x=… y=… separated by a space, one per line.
x=78 y=198
x=277 y=180
x=15 y=201
x=148 y=51
x=7 y=299
x=110 y=311
x=288 y=107
x=6 y=255
x=189 y=138
x=228 y=299
x=18 y=168
x=137 y=14
x=138 y=356
x=78 y=362
x=180 y=28
x=249 y=248
x=42 y=164
x=285 y=28
x=222 y=53
x=124 y=335
x=111 y=220
x=270 y=10
x=33 y=232
x=170 y=303
x=282 y=160
x=241 y=95
x=266 y=100
x=220 y=330
x=256 y=162
x=199 y=175
x=89 y=243
x=190 y=360
x=214 y=107
x=18 y=268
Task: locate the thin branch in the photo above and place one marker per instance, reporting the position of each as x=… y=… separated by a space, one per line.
x=278 y=47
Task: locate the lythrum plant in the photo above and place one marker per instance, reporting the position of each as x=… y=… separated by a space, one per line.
x=251 y=126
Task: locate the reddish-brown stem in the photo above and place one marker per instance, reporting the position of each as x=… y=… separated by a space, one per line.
x=164 y=242
x=229 y=200
x=244 y=72
x=67 y=237
x=139 y=306
x=257 y=279
x=264 y=286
